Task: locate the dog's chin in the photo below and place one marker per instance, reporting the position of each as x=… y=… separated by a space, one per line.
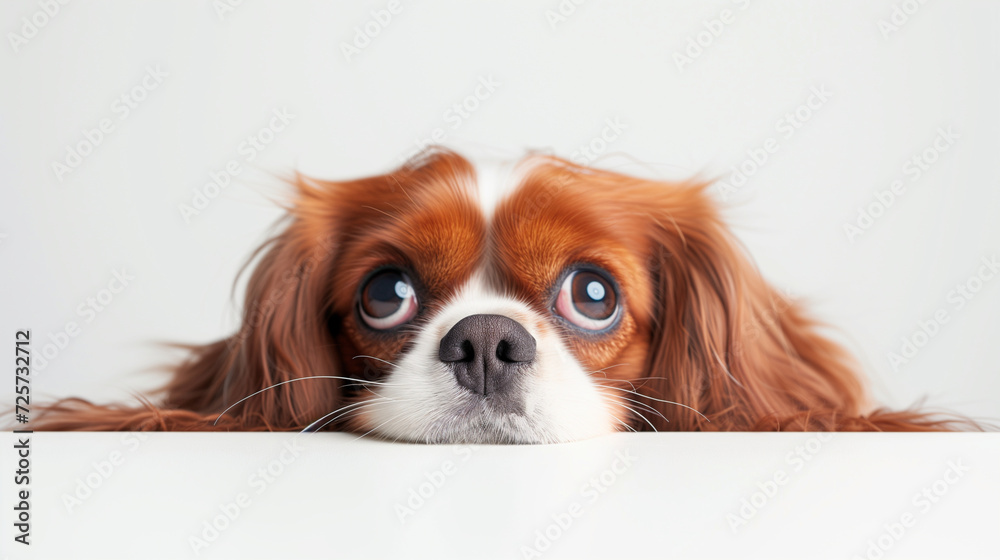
x=471 y=419
x=506 y=429
x=485 y=428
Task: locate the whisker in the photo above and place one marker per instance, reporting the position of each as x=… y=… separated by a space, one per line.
x=371 y=402
x=605 y=368
x=647 y=407
x=615 y=381
x=641 y=416
x=382 y=424
x=221 y=414
x=625 y=424
x=325 y=416
x=659 y=400
x=374 y=358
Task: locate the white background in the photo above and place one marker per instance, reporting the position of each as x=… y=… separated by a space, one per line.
x=558 y=85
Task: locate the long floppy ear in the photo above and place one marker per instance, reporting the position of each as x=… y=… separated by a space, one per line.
x=284 y=336
x=728 y=345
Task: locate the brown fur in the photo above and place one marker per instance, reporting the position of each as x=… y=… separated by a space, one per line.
x=702 y=327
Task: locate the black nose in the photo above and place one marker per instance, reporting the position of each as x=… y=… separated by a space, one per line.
x=485 y=351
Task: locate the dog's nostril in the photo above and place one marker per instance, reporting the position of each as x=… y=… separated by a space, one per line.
x=484 y=351
x=516 y=350
x=502 y=348
x=468 y=352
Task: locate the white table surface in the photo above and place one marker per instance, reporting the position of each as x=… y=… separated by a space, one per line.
x=676 y=496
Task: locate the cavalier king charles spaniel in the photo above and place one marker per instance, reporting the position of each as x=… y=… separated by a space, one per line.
x=531 y=303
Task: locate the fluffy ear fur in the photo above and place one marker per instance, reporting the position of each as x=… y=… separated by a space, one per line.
x=283 y=337
x=730 y=346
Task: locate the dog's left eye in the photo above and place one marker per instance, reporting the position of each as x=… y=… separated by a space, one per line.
x=388 y=300
x=588 y=300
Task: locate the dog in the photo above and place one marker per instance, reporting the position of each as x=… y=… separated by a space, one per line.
x=538 y=302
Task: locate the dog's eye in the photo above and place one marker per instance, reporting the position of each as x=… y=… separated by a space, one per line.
x=388 y=300
x=588 y=300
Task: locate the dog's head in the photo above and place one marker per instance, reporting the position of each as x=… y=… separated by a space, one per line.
x=540 y=302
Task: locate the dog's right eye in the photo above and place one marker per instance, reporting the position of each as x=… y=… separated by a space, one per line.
x=588 y=300
x=388 y=300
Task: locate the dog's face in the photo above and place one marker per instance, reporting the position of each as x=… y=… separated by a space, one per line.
x=507 y=324
x=541 y=302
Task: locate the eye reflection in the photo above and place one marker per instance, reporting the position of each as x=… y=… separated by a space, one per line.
x=587 y=299
x=388 y=300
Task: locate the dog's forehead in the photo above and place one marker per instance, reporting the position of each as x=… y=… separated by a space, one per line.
x=491 y=181
x=536 y=185
x=496 y=178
